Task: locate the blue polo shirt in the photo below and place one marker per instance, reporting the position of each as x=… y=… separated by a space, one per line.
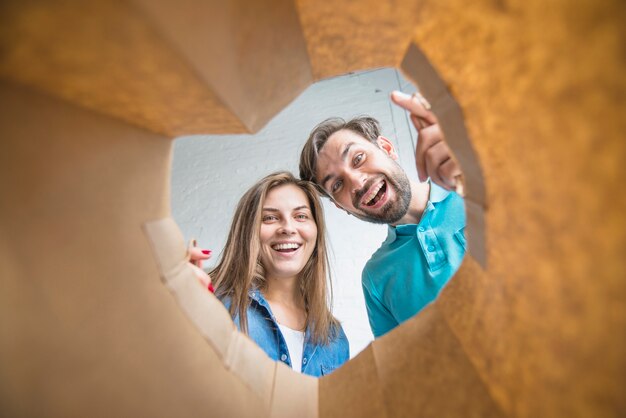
x=415 y=262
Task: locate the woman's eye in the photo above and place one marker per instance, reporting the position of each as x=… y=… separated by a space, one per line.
x=302 y=216
x=269 y=218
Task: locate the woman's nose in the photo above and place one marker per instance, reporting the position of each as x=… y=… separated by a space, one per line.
x=287 y=228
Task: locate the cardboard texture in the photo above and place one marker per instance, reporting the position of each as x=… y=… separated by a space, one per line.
x=295 y=394
x=90 y=97
x=88 y=329
x=344 y=35
x=108 y=57
x=412 y=379
x=251 y=53
x=362 y=396
x=545 y=323
x=417 y=68
x=238 y=353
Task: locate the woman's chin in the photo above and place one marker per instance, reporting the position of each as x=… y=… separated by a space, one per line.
x=285 y=270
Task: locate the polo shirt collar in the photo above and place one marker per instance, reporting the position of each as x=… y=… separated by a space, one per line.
x=437 y=194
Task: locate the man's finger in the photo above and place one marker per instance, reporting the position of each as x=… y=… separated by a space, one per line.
x=428 y=138
x=418 y=123
x=449 y=172
x=415 y=104
x=436 y=156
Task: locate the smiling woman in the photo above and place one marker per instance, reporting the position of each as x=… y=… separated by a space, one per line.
x=288 y=232
x=272 y=276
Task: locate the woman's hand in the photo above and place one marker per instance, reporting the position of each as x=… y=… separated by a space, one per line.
x=196 y=257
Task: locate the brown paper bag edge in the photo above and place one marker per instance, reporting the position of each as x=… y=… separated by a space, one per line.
x=416 y=67
x=238 y=353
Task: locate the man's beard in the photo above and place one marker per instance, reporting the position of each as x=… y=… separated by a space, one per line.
x=392 y=211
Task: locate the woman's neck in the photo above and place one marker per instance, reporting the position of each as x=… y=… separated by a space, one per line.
x=284 y=291
x=286 y=302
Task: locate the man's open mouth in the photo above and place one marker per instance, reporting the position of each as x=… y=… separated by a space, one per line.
x=288 y=247
x=375 y=193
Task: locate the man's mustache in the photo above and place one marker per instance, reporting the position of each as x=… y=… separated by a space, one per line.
x=356 y=201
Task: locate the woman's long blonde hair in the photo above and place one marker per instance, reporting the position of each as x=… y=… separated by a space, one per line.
x=239 y=269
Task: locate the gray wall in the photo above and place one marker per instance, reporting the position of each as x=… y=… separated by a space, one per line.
x=210 y=173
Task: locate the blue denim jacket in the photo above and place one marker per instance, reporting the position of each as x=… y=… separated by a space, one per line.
x=317 y=360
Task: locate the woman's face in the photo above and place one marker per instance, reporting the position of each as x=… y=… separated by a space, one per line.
x=288 y=232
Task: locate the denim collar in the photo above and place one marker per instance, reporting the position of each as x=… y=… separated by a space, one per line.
x=257 y=296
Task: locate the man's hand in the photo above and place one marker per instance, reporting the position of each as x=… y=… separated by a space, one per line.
x=433 y=157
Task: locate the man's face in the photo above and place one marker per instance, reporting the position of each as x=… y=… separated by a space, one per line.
x=363 y=178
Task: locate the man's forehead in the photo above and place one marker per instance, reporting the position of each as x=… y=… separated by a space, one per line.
x=335 y=151
x=335 y=146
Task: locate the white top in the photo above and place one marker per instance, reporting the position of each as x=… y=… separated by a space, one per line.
x=295 y=345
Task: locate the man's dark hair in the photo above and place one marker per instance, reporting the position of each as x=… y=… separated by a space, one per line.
x=365 y=126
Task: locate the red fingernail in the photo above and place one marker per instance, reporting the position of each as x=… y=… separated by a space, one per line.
x=211 y=288
x=207 y=252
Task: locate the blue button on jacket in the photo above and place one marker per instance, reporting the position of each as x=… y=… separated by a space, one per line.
x=317 y=360
x=415 y=262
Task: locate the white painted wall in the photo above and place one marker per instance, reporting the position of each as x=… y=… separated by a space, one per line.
x=210 y=173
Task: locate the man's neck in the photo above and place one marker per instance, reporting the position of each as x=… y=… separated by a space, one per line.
x=420 y=193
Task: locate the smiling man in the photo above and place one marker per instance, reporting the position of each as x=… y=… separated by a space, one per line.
x=355 y=166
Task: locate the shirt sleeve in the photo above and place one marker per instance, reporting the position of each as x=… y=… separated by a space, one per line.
x=380 y=319
x=344 y=351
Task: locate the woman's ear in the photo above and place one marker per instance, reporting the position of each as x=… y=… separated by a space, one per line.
x=387 y=146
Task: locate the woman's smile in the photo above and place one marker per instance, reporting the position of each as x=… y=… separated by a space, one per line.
x=288 y=232
x=287 y=249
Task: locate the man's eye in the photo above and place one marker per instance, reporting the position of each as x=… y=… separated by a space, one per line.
x=358 y=159
x=336 y=186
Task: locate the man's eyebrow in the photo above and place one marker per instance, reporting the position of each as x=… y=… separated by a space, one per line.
x=344 y=155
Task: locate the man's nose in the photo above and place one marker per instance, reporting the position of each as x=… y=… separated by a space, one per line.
x=357 y=180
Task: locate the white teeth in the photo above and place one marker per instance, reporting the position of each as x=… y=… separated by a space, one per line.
x=368 y=198
x=286 y=246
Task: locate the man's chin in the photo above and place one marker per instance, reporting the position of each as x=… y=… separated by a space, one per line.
x=395 y=207
x=384 y=215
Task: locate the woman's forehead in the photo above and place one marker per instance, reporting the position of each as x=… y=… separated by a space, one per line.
x=286 y=197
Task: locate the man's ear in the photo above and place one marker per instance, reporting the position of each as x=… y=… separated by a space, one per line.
x=387 y=146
